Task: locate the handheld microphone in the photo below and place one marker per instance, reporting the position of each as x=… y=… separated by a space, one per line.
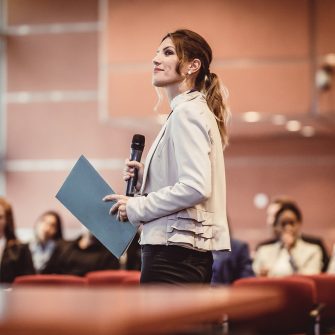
x=136 y=150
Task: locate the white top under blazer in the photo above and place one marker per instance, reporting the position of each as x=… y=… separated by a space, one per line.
x=184 y=179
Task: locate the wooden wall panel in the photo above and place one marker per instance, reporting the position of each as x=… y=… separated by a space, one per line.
x=262 y=52
x=325 y=26
x=261 y=49
x=260 y=29
x=52 y=62
x=271 y=88
x=62 y=130
x=50 y=11
x=235 y=29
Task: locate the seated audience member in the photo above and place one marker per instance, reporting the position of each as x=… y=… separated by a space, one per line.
x=271 y=211
x=15 y=258
x=289 y=254
x=233 y=265
x=48 y=241
x=85 y=254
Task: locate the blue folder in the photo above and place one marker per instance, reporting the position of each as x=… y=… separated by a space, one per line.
x=82 y=194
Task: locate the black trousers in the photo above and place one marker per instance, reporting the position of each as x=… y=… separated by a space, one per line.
x=175 y=265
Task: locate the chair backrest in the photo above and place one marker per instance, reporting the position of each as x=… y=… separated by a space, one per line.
x=299 y=300
x=49 y=279
x=106 y=277
x=325 y=295
x=132 y=278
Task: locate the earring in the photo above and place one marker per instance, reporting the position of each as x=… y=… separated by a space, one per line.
x=189 y=72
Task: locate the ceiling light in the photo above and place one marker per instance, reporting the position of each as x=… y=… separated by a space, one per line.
x=24 y=30
x=330 y=59
x=261 y=200
x=308 y=131
x=56 y=96
x=278 y=119
x=251 y=116
x=293 y=125
x=23 y=97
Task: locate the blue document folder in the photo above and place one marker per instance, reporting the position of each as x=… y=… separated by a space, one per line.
x=82 y=194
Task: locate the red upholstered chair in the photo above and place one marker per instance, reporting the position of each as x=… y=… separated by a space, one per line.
x=106 y=277
x=295 y=315
x=132 y=278
x=325 y=295
x=50 y=279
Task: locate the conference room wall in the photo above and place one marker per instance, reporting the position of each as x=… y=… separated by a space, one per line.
x=85 y=89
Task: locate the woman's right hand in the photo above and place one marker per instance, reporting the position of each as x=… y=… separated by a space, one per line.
x=129 y=169
x=288 y=240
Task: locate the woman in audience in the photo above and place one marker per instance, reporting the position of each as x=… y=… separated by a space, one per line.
x=85 y=254
x=273 y=207
x=15 y=258
x=290 y=254
x=48 y=242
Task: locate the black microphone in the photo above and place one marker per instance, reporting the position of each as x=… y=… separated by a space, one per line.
x=137 y=146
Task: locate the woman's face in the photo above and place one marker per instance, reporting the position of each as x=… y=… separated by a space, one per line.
x=46 y=228
x=165 y=65
x=2 y=220
x=288 y=224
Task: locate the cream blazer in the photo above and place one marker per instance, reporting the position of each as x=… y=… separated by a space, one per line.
x=184 y=179
x=272 y=257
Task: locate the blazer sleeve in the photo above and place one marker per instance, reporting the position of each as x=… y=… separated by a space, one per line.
x=191 y=142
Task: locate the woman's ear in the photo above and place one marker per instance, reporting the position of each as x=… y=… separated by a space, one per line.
x=194 y=66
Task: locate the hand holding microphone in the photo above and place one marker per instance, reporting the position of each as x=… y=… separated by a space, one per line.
x=133 y=174
x=129 y=172
x=134 y=169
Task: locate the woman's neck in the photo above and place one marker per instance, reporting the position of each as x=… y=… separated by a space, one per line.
x=173 y=90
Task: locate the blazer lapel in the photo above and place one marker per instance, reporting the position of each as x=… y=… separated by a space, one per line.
x=174 y=103
x=150 y=155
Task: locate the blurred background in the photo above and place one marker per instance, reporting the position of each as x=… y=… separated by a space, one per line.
x=75 y=78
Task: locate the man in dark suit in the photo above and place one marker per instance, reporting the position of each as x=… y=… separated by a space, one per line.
x=233 y=265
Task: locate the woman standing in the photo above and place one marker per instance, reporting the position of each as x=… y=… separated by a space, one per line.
x=182 y=191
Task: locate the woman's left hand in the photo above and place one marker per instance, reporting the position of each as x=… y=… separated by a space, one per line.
x=119 y=207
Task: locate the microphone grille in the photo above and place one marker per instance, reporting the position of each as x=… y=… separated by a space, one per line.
x=138 y=142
